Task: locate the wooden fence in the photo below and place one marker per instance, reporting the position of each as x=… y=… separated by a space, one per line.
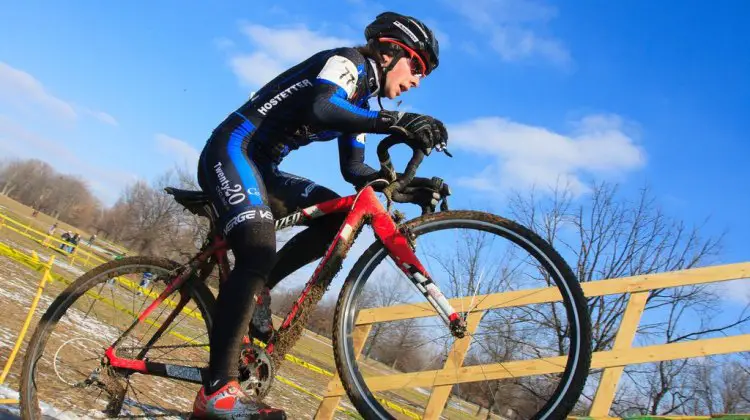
x=612 y=361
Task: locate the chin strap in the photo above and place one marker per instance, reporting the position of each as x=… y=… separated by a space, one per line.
x=396 y=57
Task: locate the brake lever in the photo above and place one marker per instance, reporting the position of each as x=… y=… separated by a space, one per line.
x=444 y=204
x=442 y=147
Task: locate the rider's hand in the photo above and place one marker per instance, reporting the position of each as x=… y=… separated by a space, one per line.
x=427 y=192
x=424 y=132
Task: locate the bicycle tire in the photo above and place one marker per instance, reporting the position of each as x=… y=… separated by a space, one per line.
x=576 y=370
x=29 y=402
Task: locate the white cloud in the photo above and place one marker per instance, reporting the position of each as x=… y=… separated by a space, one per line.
x=737 y=290
x=18 y=141
x=181 y=150
x=277 y=49
x=442 y=37
x=524 y=155
x=514 y=29
x=16 y=138
x=101 y=116
x=491 y=12
x=23 y=91
x=515 y=44
x=255 y=69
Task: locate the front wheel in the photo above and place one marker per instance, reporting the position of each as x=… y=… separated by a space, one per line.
x=504 y=279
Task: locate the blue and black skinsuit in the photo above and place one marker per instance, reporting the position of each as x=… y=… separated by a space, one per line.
x=323 y=98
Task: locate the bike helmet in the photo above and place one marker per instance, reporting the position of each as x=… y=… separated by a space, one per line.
x=406 y=30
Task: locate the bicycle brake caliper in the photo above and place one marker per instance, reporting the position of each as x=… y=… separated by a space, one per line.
x=410 y=237
x=458 y=327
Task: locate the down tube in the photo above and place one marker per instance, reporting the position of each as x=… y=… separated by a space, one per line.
x=399 y=249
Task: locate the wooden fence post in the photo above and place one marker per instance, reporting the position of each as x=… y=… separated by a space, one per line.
x=327 y=407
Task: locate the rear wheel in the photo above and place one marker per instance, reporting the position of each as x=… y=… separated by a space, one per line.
x=64 y=373
x=409 y=358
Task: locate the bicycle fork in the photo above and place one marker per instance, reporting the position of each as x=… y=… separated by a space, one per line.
x=400 y=248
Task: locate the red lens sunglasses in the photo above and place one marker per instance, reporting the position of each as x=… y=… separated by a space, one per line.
x=418 y=67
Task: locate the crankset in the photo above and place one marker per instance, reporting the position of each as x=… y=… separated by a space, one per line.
x=257 y=371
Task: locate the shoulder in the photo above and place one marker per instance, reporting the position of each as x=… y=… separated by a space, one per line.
x=349 y=53
x=343 y=67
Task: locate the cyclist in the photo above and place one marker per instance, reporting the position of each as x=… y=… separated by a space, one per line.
x=322 y=98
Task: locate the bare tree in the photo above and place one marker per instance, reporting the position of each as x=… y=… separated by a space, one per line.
x=150 y=221
x=721 y=385
x=401 y=346
x=381 y=293
x=608 y=236
x=36 y=184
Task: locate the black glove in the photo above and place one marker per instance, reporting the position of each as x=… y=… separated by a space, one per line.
x=424 y=132
x=426 y=193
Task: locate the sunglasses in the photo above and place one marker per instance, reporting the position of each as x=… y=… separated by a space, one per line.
x=416 y=63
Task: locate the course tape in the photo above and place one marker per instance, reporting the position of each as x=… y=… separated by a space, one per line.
x=78 y=253
x=320 y=370
x=38 y=266
x=286 y=381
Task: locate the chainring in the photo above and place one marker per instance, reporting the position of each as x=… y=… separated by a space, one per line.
x=257 y=371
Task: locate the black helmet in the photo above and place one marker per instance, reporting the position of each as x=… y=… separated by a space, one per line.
x=409 y=31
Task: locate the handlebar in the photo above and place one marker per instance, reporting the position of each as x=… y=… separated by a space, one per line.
x=396 y=183
x=393 y=190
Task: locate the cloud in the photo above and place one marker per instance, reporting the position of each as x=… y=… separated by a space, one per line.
x=18 y=141
x=516 y=44
x=737 y=290
x=16 y=138
x=255 y=69
x=184 y=152
x=515 y=29
x=525 y=155
x=23 y=91
x=442 y=37
x=277 y=49
x=101 y=116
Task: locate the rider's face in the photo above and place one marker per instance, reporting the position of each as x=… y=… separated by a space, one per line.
x=400 y=79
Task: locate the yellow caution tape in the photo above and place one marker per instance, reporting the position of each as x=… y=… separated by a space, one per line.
x=299 y=388
x=399 y=409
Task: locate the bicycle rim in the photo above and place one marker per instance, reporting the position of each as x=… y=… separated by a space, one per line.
x=64 y=374
x=554 y=401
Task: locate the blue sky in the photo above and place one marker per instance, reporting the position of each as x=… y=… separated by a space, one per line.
x=631 y=91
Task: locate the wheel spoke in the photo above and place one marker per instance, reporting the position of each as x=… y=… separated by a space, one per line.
x=74 y=343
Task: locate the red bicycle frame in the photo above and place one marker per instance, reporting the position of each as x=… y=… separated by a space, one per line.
x=361 y=207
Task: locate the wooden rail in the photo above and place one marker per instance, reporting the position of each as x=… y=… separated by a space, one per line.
x=612 y=361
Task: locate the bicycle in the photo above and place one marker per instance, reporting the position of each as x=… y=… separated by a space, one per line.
x=118 y=365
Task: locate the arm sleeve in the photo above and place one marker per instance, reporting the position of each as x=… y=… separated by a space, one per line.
x=334 y=87
x=352 y=161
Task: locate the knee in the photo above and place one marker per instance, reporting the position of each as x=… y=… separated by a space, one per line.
x=253 y=243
